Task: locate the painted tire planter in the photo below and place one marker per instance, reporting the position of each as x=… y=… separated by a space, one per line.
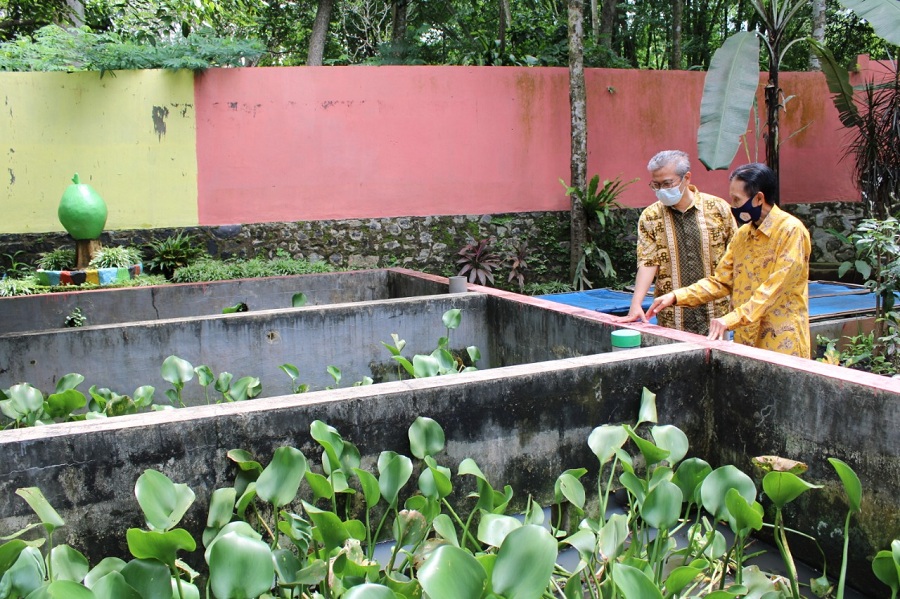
x=93 y=276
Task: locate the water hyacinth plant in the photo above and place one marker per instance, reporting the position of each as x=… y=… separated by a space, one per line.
x=308 y=528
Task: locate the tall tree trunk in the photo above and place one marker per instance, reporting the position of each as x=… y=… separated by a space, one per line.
x=398 y=20
x=677 y=20
x=608 y=20
x=818 y=31
x=76 y=12
x=595 y=19
x=578 y=104
x=504 y=17
x=319 y=32
x=773 y=100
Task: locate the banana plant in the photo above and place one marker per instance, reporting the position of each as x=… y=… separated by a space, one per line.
x=733 y=77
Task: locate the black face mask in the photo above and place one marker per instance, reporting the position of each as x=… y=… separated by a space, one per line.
x=747 y=213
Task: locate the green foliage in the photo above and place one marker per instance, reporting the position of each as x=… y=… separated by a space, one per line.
x=13 y=267
x=604 y=232
x=115 y=256
x=271 y=535
x=58 y=259
x=173 y=252
x=10 y=287
x=53 y=48
x=75 y=319
x=210 y=269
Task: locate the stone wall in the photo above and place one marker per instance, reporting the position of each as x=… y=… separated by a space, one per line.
x=428 y=244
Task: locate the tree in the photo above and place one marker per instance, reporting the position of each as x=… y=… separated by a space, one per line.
x=818 y=31
x=319 y=31
x=578 y=104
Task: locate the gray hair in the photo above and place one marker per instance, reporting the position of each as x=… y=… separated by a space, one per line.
x=676 y=158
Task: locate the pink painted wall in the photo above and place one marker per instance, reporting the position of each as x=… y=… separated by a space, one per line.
x=313 y=143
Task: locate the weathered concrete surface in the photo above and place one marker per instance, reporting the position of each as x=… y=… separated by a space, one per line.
x=524 y=425
x=347 y=335
x=108 y=306
x=761 y=406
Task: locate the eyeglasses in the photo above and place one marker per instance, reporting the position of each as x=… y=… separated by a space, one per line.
x=667 y=184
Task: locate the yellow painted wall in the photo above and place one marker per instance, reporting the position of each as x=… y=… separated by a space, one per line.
x=130 y=136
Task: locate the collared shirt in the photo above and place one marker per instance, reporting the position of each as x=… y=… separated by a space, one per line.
x=686 y=246
x=766 y=271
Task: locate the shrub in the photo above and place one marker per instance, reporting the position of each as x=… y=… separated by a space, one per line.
x=58 y=259
x=174 y=252
x=210 y=269
x=116 y=257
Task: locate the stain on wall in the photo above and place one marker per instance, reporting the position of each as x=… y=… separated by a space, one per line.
x=159 y=116
x=77 y=122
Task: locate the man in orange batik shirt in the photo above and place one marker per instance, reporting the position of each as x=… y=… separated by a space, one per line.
x=765 y=269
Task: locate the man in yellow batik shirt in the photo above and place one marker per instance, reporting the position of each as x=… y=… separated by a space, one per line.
x=681 y=238
x=765 y=269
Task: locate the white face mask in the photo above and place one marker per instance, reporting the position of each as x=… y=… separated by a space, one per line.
x=670 y=196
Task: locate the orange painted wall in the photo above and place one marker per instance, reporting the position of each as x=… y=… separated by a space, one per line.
x=312 y=143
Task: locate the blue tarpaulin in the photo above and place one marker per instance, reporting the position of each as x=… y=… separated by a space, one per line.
x=826 y=300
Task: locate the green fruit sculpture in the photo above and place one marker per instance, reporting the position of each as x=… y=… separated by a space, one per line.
x=82 y=211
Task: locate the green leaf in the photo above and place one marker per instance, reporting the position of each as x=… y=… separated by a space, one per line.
x=62 y=589
x=863 y=268
x=106 y=566
x=244 y=460
x=68 y=381
x=329 y=529
x=569 y=487
x=728 y=93
x=680 y=577
x=745 y=515
x=280 y=480
x=149 y=577
x=205 y=375
x=851 y=483
x=26 y=574
x=690 y=475
x=716 y=485
x=394 y=471
x=672 y=439
x=838 y=80
x=24 y=399
x=784 y=487
x=634 y=584
x=9 y=553
x=494 y=528
x=407 y=365
x=240 y=567
x=68 y=563
x=443 y=526
x=662 y=506
x=162 y=546
x=176 y=371
x=647 y=412
x=452 y=572
x=652 y=454
x=882 y=15
x=369 y=485
x=328 y=437
x=426 y=437
x=434 y=481
x=221 y=507
x=163 y=502
x=425 y=366
x=606 y=439
x=48 y=516
x=524 y=563
x=886 y=568
x=370 y=591
x=114 y=586
x=143 y=396
x=452 y=318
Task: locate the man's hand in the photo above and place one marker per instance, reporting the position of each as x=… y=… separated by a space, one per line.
x=660 y=303
x=634 y=314
x=717 y=329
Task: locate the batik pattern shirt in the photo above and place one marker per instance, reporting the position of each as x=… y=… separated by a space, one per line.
x=685 y=247
x=766 y=271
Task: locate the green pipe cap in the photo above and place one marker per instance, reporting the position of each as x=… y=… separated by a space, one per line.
x=626 y=338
